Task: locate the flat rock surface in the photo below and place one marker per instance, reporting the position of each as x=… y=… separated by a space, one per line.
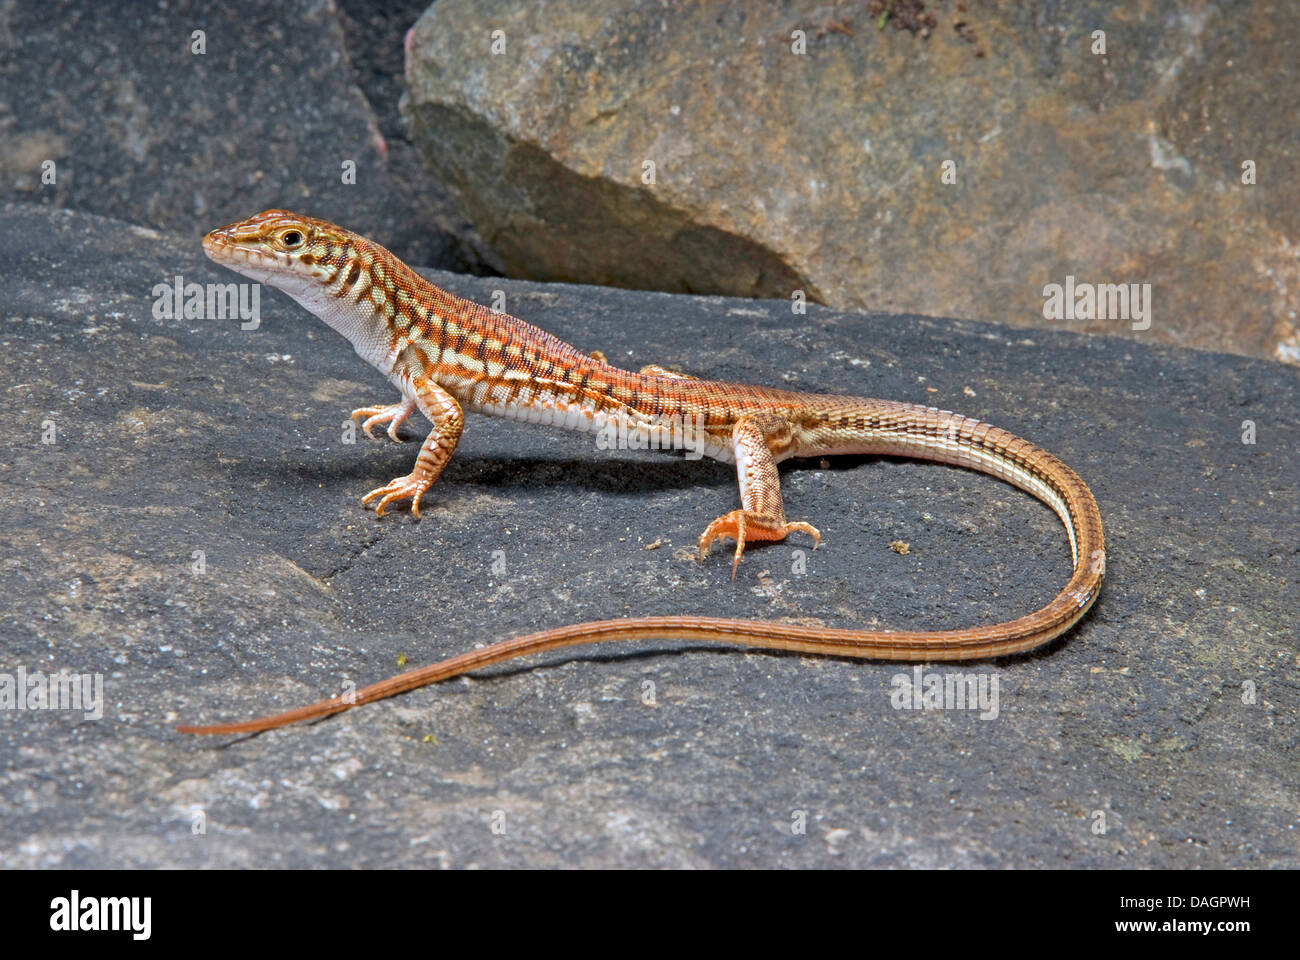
x=181 y=519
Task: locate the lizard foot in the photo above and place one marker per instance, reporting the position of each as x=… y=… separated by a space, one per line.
x=742 y=525
x=412 y=485
x=394 y=415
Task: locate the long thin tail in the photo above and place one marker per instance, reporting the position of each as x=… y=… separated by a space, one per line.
x=948 y=438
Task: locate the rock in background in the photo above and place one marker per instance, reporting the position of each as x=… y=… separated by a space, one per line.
x=143 y=127
x=821 y=170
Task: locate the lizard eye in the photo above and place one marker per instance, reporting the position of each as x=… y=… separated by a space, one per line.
x=291 y=239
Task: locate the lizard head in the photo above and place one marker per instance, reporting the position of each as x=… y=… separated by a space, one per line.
x=347 y=281
x=283 y=249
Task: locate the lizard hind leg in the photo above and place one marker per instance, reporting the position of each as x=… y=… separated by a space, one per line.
x=762 y=516
x=656 y=370
x=649 y=370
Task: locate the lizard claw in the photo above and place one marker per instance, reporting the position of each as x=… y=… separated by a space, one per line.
x=728 y=525
x=741 y=525
x=412 y=485
x=394 y=415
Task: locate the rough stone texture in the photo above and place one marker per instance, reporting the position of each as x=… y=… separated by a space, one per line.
x=822 y=171
x=141 y=128
x=176 y=436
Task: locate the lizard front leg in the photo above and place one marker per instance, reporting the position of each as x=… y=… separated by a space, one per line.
x=445 y=414
x=394 y=415
x=763 y=515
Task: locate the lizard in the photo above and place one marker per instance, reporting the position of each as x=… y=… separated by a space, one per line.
x=446 y=355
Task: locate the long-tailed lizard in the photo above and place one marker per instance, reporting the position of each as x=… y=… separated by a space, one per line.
x=446 y=355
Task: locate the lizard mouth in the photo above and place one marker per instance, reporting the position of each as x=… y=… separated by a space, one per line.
x=220 y=245
x=226 y=250
x=247 y=261
x=217 y=245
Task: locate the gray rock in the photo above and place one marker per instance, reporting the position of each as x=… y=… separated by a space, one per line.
x=173 y=437
x=142 y=128
x=822 y=171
